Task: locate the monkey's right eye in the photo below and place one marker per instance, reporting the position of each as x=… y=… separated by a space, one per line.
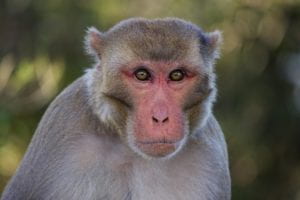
x=142 y=75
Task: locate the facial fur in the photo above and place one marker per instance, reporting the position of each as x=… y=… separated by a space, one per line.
x=157 y=115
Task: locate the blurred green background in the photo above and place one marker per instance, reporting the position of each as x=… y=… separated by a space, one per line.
x=41 y=51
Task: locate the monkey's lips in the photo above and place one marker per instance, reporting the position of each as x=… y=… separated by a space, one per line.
x=158 y=148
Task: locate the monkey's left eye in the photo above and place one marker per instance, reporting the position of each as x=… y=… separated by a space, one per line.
x=177 y=75
x=142 y=75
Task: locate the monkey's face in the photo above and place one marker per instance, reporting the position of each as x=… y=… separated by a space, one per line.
x=159 y=92
x=158 y=79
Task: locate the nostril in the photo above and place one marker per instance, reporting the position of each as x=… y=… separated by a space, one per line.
x=155 y=120
x=160 y=121
x=165 y=120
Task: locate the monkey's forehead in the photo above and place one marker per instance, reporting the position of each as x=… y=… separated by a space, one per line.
x=159 y=39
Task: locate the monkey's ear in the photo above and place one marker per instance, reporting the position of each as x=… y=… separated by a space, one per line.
x=93 y=42
x=212 y=42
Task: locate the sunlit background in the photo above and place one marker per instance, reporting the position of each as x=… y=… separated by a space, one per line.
x=258 y=105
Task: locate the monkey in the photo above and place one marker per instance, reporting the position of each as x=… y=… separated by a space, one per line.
x=138 y=125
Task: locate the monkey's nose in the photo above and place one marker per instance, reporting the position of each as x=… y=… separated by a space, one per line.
x=158 y=120
x=160 y=114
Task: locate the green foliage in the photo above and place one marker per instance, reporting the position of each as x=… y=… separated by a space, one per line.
x=259 y=77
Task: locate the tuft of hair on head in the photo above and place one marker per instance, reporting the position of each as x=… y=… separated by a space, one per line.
x=93 y=42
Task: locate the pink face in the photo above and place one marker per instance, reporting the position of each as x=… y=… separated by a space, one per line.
x=159 y=91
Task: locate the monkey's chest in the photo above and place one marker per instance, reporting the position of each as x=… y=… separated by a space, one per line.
x=153 y=182
x=165 y=184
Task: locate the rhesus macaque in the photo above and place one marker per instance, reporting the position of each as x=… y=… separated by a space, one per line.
x=136 y=126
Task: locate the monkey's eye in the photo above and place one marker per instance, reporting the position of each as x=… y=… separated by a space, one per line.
x=142 y=75
x=176 y=75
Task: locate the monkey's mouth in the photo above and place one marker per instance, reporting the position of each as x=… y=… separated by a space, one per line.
x=158 y=148
x=164 y=141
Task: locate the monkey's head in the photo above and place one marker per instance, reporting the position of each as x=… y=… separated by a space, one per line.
x=153 y=82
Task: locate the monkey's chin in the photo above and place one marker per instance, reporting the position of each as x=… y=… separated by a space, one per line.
x=158 y=149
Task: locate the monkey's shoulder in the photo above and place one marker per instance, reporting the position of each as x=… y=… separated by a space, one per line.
x=74 y=95
x=69 y=112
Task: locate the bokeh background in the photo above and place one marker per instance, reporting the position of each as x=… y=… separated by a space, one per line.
x=41 y=51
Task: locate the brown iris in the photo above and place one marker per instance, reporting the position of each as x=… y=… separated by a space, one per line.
x=176 y=75
x=142 y=74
